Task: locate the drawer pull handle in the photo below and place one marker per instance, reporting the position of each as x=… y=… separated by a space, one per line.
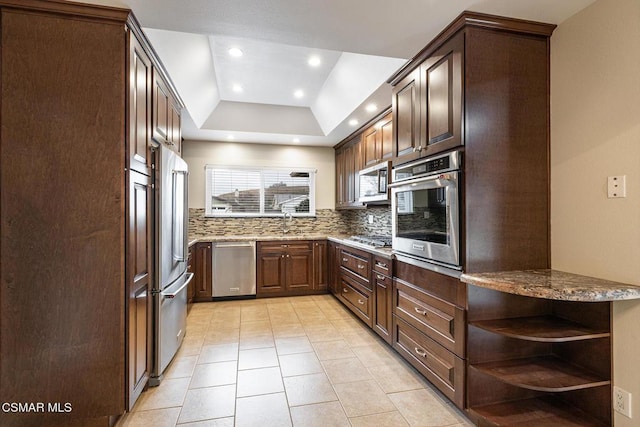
x=360 y=267
x=420 y=352
x=345 y=259
x=380 y=276
x=419 y=311
x=345 y=290
x=360 y=302
x=381 y=264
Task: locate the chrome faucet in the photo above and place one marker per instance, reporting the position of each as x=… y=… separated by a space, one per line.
x=285 y=229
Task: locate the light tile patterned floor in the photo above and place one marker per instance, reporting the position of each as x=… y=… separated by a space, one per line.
x=299 y=361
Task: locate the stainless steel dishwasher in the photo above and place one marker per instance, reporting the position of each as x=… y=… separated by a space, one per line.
x=234 y=269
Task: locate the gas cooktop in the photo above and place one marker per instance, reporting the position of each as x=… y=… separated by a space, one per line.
x=374 y=241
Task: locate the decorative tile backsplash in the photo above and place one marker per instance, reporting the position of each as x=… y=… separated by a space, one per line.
x=326 y=222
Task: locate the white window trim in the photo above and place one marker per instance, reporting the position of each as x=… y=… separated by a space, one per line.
x=312 y=192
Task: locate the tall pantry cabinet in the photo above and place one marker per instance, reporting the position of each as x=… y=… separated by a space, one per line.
x=76 y=211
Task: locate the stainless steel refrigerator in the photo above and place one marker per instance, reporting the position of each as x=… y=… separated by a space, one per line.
x=172 y=279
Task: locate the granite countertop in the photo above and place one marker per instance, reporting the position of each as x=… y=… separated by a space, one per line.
x=553 y=284
x=385 y=252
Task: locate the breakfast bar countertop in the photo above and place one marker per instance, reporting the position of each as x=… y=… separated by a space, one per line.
x=553 y=284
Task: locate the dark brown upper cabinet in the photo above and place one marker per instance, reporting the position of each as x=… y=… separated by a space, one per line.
x=441 y=81
x=377 y=141
x=406 y=117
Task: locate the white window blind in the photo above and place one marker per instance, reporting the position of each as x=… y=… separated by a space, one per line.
x=245 y=191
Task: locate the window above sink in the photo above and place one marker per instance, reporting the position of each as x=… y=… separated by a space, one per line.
x=241 y=191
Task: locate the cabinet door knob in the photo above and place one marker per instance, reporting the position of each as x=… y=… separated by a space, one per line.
x=420 y=352
x=419 y=311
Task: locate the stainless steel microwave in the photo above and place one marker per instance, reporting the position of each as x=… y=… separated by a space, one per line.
x=374 y=183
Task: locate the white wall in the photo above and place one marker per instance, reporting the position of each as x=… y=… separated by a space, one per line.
x=595 y=132
x=197 y=154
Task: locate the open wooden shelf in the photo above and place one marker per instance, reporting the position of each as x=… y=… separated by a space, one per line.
x=541 y=412
x=541 y=329
x=547 y=374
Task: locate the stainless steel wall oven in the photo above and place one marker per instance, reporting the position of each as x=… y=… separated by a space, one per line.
x=425 y=209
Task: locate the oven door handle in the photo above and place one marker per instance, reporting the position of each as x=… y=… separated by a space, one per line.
x=447 y=176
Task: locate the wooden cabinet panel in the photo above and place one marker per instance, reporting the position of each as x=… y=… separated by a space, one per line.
x=175 y=127
x=161 y=106
x=139 y=284
x=357 y=263
x=203 y=273
x=383 y=292
x=370 y=146
x=63 y=216
x=377 y=142
x=357 y=297
x=349 y=161
x=291 y=267
x=191 y=288
x=438 y=319
x=441 y=367
x=167 y=119
x=406 y=118
x=140 y=88
x=341 y=179
x=385 y=139
x=441 y=100
x=271 y=276
x=299 y=270
x=321 y=265
x=383 y=266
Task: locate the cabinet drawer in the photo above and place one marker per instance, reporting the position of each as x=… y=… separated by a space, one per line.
x=285 y=246
x=356 y=264
x=382 y=279
x=438 y=319
x=382 y=266
x=441 y=367
x=357 y=297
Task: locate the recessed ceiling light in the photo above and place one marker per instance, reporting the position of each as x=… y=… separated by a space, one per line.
x=353 y=122
x=296 y=140
x=314 y=61
x=231 y=137
x=235 y=52
x=298 y=93
x=371 y=108
x=237 y=88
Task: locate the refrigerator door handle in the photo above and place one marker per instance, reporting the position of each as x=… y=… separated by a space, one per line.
x=180 y=236
x=171 y=295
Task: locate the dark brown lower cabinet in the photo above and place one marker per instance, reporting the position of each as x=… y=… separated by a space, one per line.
x=320 y=265
x=139 y=277
x=289 y=268
x=383 y=294
x=429 y=326
x=191 y=288
x=357 y=297
x=202 y=264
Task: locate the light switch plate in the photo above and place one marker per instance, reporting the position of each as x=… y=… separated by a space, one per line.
x=617 y=186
